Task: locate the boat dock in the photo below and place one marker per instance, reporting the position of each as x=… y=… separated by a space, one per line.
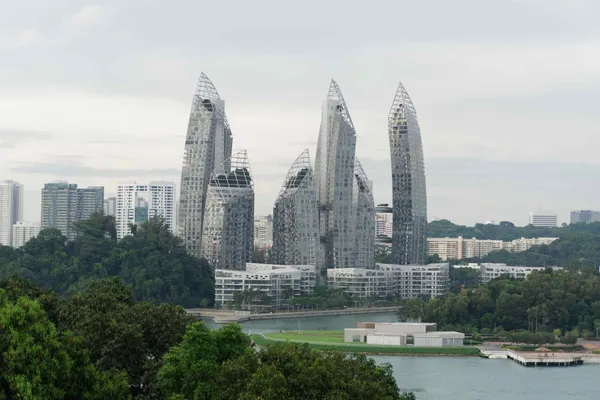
x=528 y=359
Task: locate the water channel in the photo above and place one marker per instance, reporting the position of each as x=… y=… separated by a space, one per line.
x=458 y=378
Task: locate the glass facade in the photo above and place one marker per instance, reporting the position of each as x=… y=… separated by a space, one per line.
x=207 y=148
x=334 y=176
x=228 y=229
x=296 y=218
x=409 y=238
x=364 y=205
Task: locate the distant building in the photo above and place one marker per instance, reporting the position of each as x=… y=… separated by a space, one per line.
x=585 y=216
x=384 y=222
x=64 y=203
x=228 y=228
x=272 y=284
x=543 y=219
x=404 y=281
x=263 y=231
x=23 y=232
x=89 y=201
x=11 y=209
x=110 y=206
x=489 y=271
x=137 y=203
x=459 y=248
x=296 y=218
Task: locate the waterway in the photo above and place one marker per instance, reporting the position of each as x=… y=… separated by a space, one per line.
x=458 y=378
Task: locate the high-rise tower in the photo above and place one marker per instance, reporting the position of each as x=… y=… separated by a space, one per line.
x=334 y=176
x=364 y=205
x=228 y=236
x=409 y=238
x=207 y=148
x=11 y=209
x=296 y=217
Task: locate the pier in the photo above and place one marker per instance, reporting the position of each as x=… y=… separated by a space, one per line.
x=226 y=316
x=545 y=359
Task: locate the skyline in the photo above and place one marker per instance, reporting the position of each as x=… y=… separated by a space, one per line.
x=116 y=78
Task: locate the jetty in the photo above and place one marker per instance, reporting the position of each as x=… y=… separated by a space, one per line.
x=529 y=359
x=227 y=316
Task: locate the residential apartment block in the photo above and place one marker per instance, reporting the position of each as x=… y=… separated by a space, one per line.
x=263 y=231
x=23 y=232
x=384 y=222
x=276 y=283
x=11 y=209
x=64 y=203
x=404 y=281
x=489 y=271
x=137 y=203
x=585 y=216
x=110 y=206
x=459 y=248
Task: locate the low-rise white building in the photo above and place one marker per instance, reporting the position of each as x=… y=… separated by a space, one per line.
x=423 y=334
x=275 y=283
x=404 y=281
x=489 y=271
x=459 y=247
x=22 y=232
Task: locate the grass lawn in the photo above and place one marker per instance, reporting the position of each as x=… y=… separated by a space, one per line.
x=330 y=344
x=310 y=336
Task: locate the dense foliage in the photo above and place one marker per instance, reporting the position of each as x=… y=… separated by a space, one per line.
x=101 y=344
x=152 y=260
x=220 y=365
x=545 y=301
x=506 y=230
x=578 y=245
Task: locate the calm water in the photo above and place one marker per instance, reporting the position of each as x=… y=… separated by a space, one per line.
x=474 y=378
x=459 y=378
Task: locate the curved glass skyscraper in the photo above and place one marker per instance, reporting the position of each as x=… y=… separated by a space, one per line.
x=296 y=218
x=364 y=205
x=409 y=237
x=207 y=147
x=227 y=237
x=334 y=175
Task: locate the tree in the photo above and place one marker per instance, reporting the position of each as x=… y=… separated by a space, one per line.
x=411 y=310
x=37 y=362
x=221 y=365
x=120 y=334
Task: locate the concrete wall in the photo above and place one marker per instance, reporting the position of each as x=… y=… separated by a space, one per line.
x=350 y=333
x=387 y=340
x=427 y=341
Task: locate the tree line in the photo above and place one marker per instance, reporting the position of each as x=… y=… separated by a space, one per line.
x=546 y=301
x=151 y=259
x=102 y=344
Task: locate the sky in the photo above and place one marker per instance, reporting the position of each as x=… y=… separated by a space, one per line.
x=506 y=93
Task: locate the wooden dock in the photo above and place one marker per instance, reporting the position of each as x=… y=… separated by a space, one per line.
x=528 y=359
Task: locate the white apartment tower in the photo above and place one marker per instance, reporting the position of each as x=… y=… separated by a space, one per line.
x=110 y=206
x=11 y=209
x=23 y=232
x=137 y=203
x=263 y=231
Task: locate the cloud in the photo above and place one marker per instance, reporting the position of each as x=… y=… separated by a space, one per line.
x=73 y=170
x=87 y=16
x=9 y=139
x=26 y=38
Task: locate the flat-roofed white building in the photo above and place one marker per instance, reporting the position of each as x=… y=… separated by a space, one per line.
x=489 y=271
x=404 y=281
x=272 y=284
x=362 y=282
x=458 y=248
x=543 y=219
x=412 y=281
x=424 y=334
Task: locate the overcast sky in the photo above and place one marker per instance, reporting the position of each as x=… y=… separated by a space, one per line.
x=506 y=91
